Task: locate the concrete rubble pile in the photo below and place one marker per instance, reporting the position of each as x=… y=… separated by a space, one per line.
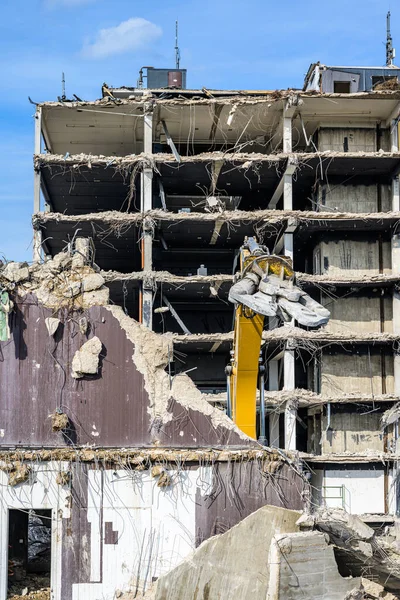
x=280 y=554
x=63 y=281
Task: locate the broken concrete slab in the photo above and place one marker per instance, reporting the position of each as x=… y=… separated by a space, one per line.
x=232 y=565
x=91 y=282
x=16 y=271
x=359 y=551
x=52 y=324
x=302 y=565
x=264 y=557
x=6 y=306
x=99 y=297
x=86 y=359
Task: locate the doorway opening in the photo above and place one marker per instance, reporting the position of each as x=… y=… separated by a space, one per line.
x=29 y=554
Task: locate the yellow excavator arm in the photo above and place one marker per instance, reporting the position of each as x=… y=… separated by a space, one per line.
x=244 y=375
x=265 y=288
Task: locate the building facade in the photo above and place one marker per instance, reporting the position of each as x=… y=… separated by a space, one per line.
x=142 y=201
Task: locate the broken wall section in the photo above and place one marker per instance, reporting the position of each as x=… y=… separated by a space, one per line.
x=62 y=331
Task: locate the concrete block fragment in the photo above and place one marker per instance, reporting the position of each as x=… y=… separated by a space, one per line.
x=19 y=474
x=82 y=252
x=91 y=282
x=73 y=289
x=86 y=359
x=96 y=298
x=59 y=421
x=16 y=272
x=303 y=565
x=52 y=324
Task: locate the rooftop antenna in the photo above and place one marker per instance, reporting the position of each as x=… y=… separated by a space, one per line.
x=177 y=51
x=63 y=96
x=390 y=51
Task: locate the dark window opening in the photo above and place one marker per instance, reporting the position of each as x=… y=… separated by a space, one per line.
x=390 y=80
x=29 y=552
x=341 y=87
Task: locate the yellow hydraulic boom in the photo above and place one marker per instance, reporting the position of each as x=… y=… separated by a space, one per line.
x=265 y=288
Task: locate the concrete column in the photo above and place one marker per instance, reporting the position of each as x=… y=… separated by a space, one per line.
x=37 y=245
x=147 y=247
x=82 y=252
x=289 y=356
x=273 y=385
x=274 y=430
x=37 y=235
x=394 y=136
x=396 y=294
x=290 y=409
x=287 y=192
x=287 y=134
x=146 y=205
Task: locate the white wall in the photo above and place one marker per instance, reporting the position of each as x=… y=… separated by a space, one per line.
x=363 y=489
x=155 y=526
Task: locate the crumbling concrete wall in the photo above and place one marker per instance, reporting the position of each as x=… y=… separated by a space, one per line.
x=362 y=314
x=101 y=368
x=263 y=557
x=350 y=431
x=303 y=565
x=122 y=519
x=232 y=565
x=356 y=372
x=358 y=139
x=355 y=198
x=352 y=257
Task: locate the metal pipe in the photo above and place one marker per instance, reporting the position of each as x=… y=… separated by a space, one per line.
x=228 y=391
x=262 y=437
x=328 y=416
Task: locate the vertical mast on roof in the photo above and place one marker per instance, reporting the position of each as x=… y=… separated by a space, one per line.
x=390 y=51
x=177 y=51
x=63 y=96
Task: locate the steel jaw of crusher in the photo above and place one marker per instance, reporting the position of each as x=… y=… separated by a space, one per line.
x=272 y=295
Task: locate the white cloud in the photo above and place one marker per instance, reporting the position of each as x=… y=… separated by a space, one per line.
x=129 y=35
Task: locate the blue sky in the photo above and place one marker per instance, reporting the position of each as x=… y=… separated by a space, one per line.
x=257 y=44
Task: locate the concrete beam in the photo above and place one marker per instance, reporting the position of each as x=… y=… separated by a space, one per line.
x=280 y=245
x=170 y=142
x=175 y=315
x=285 y=180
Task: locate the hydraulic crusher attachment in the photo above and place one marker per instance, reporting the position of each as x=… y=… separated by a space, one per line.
x=264 y=288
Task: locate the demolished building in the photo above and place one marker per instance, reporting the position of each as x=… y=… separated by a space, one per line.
x=116 y=338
